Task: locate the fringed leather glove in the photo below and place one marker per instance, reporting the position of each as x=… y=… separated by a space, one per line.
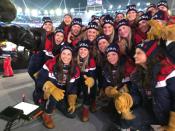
x=110 y=91
x=89 y=81
x=50 y=89
x=71 y=101
x=123 y=103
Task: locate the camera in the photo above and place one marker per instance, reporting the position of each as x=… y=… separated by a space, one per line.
x=30 y=38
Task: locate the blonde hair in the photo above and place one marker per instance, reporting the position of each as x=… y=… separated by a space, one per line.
x=110 y=40
x=112 y=37
x=85 y=63
x=85 y=34
x=128 y=39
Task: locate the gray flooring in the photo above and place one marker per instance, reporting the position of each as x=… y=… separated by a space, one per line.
x=11 y=90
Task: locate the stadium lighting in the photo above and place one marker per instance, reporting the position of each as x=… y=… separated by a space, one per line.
x=52 y=12
x=148 y=3
x=119 y=7
x=139 y=9
x=104 y=11
x=138 y=4
x=58 y=12
x=27 y=11
x=111 y=6
x=72 y=10
x=39 y=12
x=90 y=13
x=65 y=11
x=34 y=12
x=46 y=12
x=19 y=10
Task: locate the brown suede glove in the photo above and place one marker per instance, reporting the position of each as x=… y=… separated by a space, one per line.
x=124 y=88
x=171 y=124
x=50 y=89
x=72 y=101
x=110 y=91
x=89 y=81
x=123 y=103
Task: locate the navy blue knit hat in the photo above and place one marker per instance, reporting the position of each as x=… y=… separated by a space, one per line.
x=149 y=47
x=92 y=25
x=162 y=3
x=95 y=18
x=46 y=19
x=122 y=22
x=68 y=14
x=117 y=13
x=131 y=8
x=77 y=21
x=108 y=20
x=160 y=15
x=84 y=43
x=144 y=17
x=66 y=46
x=141 y=12
x=151 y=6
x=113 y=48
x=100 y=37
x=57 y=29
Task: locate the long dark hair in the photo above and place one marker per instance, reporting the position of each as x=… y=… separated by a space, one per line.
x=100 y=58
x=146 y=76
x=58 y=69
x=62 y=25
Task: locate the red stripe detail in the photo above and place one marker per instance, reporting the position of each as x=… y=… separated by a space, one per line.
x=92 y=63
x=153 y=47
x=50 y=63
x=166 y=69
x=129 y=67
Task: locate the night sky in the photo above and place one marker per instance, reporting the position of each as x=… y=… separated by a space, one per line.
x=50 y=4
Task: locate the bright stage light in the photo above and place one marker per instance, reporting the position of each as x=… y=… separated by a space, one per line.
x=52 y=12
x=58 y=12
x=105 y=11
x=72 y=10
x=34 y=12
x=39 y=12
x=148 y=3
x=65 y=11
x=138 y=4
x=46 y=12
x=19 y=10
x=140 y=9
x=27 y=11
x=110 y=7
